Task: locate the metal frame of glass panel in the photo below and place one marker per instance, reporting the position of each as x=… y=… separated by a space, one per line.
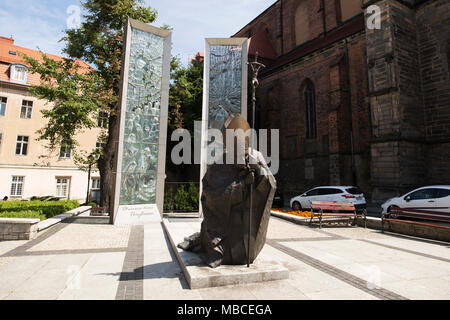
x=144 y=98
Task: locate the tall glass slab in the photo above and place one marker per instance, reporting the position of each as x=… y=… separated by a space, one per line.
x=142 y=119
x=225 y=84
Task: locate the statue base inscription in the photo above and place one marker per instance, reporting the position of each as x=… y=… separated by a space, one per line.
x=137 y=215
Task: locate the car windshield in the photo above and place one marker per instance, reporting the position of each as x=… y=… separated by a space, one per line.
x=354 y=190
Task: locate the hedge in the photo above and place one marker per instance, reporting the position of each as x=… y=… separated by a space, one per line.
x=28 y=214
x=46 y=208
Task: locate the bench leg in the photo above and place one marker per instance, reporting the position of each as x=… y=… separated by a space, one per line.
x=365 y=218
x=382 y=223
x=320 y=220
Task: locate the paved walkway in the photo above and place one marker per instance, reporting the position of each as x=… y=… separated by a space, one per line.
x=86 y=258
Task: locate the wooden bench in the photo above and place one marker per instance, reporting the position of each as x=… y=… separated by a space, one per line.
x=416 y=213
x=339 y=210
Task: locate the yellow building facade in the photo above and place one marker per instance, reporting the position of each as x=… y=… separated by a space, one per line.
x=27 y=168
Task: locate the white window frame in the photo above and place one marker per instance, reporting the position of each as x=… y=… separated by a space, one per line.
x=96 y=185
x=99 y=146
x=103 y=118
x=65 y=151
x=22 y=143
x=5 y=104
x=16 y=71
x=28 y=109
x=17 y=181
x=62 y=182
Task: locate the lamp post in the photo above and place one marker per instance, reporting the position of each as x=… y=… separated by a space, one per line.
x=256 y=66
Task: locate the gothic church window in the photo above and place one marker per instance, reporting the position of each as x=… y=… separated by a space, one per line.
x=309 y=101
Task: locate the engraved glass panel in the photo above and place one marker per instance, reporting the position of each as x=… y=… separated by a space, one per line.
x=141 y=134
x=225 y=84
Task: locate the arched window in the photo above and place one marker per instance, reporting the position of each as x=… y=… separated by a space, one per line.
x=301 y=23
x=19 y=73
x=309 y=101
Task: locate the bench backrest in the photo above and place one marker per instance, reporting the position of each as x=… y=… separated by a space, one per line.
x=421 y=214
x=341 y=206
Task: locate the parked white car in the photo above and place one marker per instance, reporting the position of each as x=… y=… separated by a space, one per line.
x=433 y=198
x=329 y=194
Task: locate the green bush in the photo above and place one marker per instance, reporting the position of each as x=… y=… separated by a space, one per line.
x=184 y=199
x=47 y=208
x=168 y=200
x=28 y=214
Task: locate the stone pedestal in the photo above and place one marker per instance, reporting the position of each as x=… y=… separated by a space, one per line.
x=198 y=275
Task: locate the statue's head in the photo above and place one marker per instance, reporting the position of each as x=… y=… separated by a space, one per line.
x=238 y=130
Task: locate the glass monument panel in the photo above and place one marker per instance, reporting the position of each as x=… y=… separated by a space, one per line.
x=225 y=84
x=141 y=134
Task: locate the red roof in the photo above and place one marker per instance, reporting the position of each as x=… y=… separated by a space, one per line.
x=7 y=57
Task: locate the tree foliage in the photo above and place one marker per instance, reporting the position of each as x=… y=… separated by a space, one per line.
x=78 y=96
x=186 y=94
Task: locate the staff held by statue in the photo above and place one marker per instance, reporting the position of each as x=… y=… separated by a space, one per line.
x=256 y=66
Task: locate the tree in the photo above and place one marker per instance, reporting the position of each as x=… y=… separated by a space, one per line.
x=78 y=96
x=186 y=94
x=185 y=107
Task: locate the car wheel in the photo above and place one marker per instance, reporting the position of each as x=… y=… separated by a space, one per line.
x=391 y=215
x=296 y=206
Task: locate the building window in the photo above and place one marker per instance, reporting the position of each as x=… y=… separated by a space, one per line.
x=103 y=118
x=62 y=187
x=95 y=183
x=3 y=101
x=309 y=101
x=19 y=73
x=22 y=145
x=26 y=110
x=301 y=23
x=17 y=186
x=65 y=151
x=99 y=146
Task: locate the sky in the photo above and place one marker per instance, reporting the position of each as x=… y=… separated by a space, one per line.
x=41 y=23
